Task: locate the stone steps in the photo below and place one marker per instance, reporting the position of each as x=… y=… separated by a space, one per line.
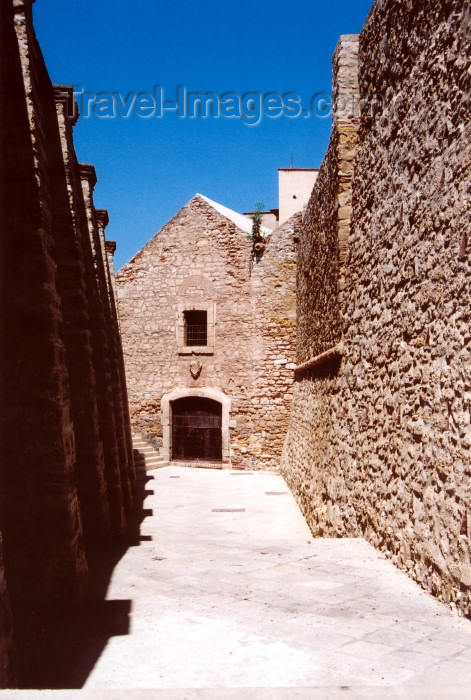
x=145 y=456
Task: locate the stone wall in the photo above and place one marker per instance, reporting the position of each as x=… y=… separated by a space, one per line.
x=62 y=490
x=273 y=290
x=7 y=672
x=379 y=441
x=202 y=258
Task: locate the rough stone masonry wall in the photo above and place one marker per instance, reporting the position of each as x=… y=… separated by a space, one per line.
x=200 y=252
x=379 y=444
x=326 y=223
x=54 y=497
x=273 y=299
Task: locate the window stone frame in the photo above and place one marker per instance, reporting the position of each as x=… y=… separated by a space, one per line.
x=196 y=305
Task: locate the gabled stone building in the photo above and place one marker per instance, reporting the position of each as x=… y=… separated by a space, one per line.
x=208 y=328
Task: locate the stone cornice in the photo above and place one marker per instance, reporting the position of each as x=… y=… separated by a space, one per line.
x=110 y=247
x=88 y=172
x=22 y=8
x=22 y=5
x=64 y=95
x=102 y=217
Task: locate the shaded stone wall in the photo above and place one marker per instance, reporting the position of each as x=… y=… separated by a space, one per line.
x=109 y=394
x=55 y=500
x=7 y=671
x=202 y=258
x=379 y=442
x=73 y=253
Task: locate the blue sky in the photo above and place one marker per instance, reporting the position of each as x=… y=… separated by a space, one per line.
x=148 y=168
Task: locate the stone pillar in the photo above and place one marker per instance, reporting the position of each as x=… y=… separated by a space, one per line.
x=110 y=247
x=116 y=477
x=117 y=366
x=346 y=121
x=102 y=220
x=73 y=255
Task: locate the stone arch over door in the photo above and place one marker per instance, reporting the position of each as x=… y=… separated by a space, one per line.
x=203 y=392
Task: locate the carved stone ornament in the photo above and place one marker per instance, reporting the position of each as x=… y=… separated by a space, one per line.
x=195 y=368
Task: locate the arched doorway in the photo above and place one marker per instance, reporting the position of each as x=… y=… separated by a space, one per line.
x=196 y=429
x=170 y=401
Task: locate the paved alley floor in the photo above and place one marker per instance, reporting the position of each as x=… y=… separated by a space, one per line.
x=231 y=597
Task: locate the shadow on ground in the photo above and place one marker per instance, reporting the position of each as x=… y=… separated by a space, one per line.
x=61 y=652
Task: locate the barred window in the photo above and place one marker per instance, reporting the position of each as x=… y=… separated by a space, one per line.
x=196 y=327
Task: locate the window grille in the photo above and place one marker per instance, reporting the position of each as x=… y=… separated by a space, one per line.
x=196 y=328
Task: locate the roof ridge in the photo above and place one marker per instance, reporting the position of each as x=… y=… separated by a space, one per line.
x=239 y=220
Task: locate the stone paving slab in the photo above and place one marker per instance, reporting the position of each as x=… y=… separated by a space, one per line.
x=218 y=694
x=291 y=693
x=245 y=603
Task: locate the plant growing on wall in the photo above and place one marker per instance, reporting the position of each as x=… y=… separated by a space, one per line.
x=257 y=216
x=257 y=237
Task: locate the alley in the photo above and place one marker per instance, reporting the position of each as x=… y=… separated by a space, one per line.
x=230 y=596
